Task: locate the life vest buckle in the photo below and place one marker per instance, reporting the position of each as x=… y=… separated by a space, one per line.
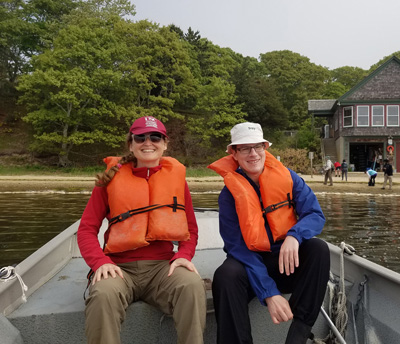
x=270 y=208
x=124 y=216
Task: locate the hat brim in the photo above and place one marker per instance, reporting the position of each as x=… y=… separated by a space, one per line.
x=148 y=130
x=246 y=141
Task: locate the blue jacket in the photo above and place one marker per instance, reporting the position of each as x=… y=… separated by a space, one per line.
x=310 y=223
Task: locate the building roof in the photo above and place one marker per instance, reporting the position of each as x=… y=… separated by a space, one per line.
x=364 y=91
x=322 y=107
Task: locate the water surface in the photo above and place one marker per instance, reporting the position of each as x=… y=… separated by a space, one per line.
x=370 y=223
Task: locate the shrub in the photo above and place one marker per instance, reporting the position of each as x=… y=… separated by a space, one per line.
x=295 y=159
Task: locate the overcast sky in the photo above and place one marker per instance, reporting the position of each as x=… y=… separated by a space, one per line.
x=331 y=33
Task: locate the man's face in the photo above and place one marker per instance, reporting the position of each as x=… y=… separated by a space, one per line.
x=251 y=161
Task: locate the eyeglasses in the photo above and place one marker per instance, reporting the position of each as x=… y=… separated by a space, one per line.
x=154 y=137
x=246 y=150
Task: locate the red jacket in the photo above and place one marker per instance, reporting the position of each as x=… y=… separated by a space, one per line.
x=97 y=209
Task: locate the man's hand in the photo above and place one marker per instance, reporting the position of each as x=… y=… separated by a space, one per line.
x=103 y=271
x=289 y=255
x=182 y=262
x=279 y=309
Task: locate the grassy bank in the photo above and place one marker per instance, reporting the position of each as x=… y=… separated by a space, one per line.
x=82 y=172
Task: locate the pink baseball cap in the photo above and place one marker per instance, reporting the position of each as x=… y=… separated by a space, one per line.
x=148 y=124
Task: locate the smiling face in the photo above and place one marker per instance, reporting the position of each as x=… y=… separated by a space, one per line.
x=253 y=162
x=148 y=153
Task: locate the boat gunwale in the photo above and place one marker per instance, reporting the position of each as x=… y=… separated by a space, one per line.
x=48 y=259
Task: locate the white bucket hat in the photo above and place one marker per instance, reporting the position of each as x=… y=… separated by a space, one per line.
x=246 y=133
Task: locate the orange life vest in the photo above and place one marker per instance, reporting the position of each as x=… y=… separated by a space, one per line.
x=129 y=196
x=276 y=194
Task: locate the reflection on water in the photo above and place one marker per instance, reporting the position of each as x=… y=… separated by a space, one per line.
x=29 y=220
x=370 y=223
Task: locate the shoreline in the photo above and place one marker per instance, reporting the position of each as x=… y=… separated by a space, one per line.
x=357 y=183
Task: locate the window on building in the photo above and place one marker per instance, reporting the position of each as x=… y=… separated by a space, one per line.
x=348 y=117
x=392 y=115
x=377 y=116
x=362 y=116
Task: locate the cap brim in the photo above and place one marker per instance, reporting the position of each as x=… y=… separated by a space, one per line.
x=147 y=131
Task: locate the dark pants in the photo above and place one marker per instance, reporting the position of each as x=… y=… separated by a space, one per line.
x=232 y=291
x=372 y=180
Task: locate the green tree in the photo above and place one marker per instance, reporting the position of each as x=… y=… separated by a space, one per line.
x=193 y=37
x=348 y=76
x=24 y=28
x=259 y=96
x=307 y=137
x=333 y=90
x=296 y=79
x=342 y=79
x=14 y=45
x=212 y=108
x=383 y=60
x=157 y=70
x=216 y=103
x=102 y=72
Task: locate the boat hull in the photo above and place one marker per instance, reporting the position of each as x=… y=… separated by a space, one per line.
x=56 y=278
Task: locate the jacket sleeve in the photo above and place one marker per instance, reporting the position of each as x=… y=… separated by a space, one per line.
x=92 y=218
x=311 y=219
x=186 y=249
x=234 y=245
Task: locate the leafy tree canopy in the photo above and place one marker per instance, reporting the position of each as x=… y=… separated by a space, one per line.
x=101 y=73
x=383 y=60
x=296 y=79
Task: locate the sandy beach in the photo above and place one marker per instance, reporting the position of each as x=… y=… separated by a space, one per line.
x=357 y=182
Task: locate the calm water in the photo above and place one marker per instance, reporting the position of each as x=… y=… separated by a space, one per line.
x=370 y=223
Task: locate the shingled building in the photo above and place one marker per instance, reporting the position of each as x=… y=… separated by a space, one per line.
x=363 y=124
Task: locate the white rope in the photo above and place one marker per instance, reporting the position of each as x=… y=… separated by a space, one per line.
x=342 y=317
x=8 y=273
x=337 y=301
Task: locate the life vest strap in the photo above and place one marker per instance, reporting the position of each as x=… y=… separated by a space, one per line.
x=121 y=217
x=289 y=202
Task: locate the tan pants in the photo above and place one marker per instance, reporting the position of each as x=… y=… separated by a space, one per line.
x=181 y=295
x=328 y=175
x=385 y=179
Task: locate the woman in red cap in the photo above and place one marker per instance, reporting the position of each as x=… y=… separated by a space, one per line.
x=148 y=205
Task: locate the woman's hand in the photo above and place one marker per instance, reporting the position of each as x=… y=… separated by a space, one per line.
x=182 y=262
x=107 y=269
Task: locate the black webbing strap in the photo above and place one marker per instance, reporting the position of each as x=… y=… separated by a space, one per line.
x=289 y=202
x=130 y=213
x=89 y=277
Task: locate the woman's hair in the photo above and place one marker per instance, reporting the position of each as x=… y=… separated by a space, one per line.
x=102 y=179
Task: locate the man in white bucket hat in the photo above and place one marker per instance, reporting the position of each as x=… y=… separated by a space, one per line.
x=268 y=220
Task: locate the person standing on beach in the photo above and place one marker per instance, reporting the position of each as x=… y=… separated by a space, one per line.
x=269 y=218
x=148 y=205
x=388 y=174
x=328 y=171
x=344 y=168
